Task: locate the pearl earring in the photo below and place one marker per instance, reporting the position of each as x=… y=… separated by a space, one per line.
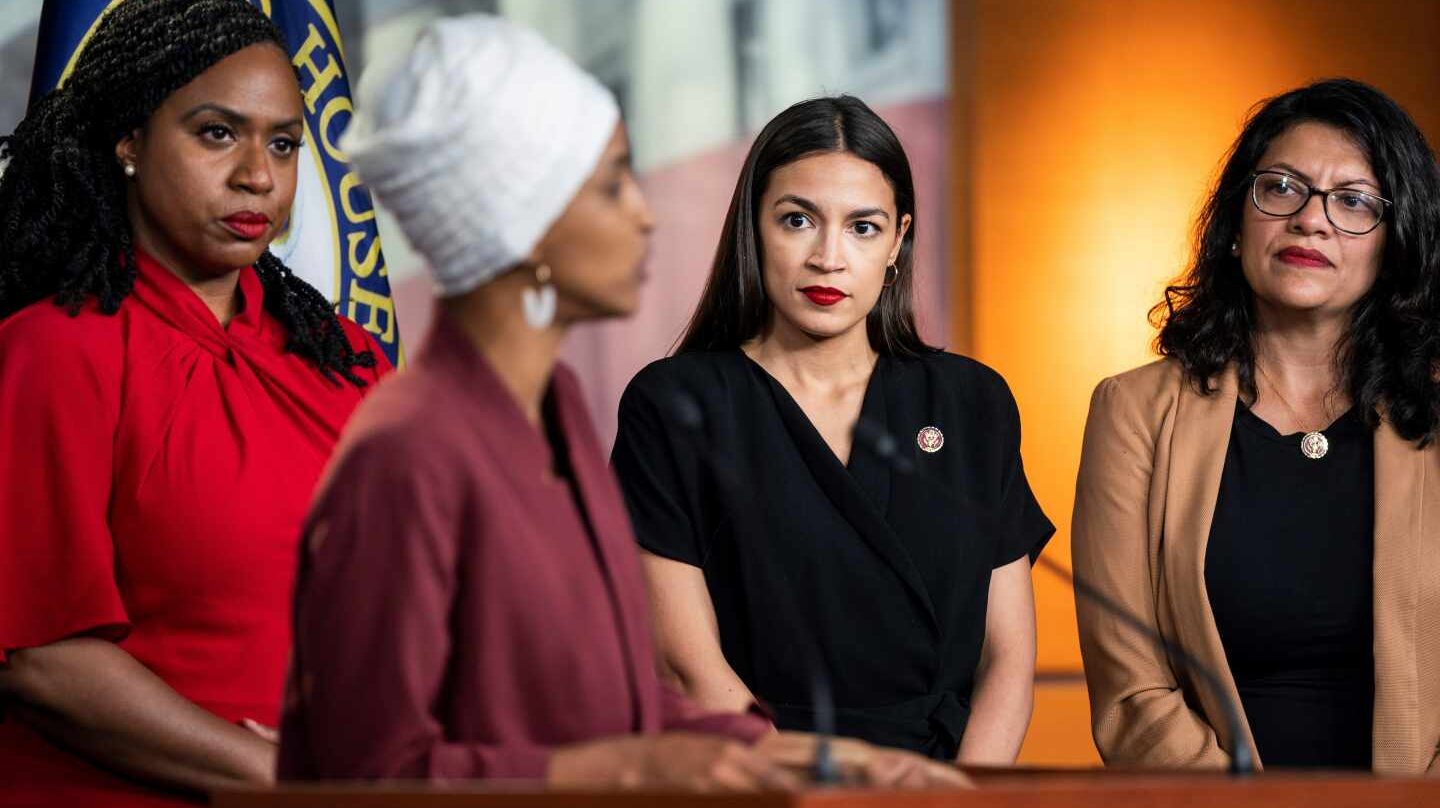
x=129 y=169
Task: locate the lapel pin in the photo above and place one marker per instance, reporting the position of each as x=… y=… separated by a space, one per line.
x=930 y=439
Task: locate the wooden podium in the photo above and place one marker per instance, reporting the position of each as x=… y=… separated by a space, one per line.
x=1007 y=788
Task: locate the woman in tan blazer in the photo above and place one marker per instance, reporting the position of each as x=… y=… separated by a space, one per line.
x=1267 y=496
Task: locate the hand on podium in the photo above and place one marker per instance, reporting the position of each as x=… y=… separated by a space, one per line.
x=863 y=764
x=670 y=760
x=781 y=761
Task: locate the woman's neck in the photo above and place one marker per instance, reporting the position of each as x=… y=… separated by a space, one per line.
x=806 y=361
x=523 y=357
x=220 y=293
x=1297 y=349
x=1297 y=379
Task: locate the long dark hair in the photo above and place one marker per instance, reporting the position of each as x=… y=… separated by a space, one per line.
x=64 y=231
x=1391 y=352
x=733 y=307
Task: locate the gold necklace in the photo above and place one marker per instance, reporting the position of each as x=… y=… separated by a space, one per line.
x=1314 y=445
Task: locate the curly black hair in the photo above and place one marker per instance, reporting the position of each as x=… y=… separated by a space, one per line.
x=1390 y=355
x=64 y=231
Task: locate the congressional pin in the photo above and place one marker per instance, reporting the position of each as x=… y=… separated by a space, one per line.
x=1314 y=445
x=930 y=439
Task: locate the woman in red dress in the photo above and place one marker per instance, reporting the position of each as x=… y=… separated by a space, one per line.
x=169 y=392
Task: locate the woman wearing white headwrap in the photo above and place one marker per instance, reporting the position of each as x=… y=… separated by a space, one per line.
x=470 y=602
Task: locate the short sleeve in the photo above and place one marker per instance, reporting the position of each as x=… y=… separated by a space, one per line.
x=652 y=461
x=59 y=407
x=1025 y=530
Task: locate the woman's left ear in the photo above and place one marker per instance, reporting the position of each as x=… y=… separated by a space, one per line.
x=536 y=256
x=900 y=237
x=126 y=149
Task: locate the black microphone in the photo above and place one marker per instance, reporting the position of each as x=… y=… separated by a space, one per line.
x=686 y=409
x=877 y=440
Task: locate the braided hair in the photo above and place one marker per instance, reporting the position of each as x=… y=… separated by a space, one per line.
x=64 y=231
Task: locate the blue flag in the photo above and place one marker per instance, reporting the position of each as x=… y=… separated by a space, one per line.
x=331 y=240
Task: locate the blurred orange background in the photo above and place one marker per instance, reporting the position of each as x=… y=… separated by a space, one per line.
x=1085 y=134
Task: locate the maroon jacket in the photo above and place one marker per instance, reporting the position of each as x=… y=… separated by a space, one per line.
x=460 y=610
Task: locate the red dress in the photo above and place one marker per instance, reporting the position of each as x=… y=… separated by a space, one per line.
x=155 y=468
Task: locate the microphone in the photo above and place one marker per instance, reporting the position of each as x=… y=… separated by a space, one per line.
x=873 y=437
x=686 y=409
x=878 y=441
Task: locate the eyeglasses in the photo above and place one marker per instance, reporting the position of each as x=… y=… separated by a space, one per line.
x=1351 y=211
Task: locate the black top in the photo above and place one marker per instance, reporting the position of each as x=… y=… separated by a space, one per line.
x=875 y=574
x=1288 y=569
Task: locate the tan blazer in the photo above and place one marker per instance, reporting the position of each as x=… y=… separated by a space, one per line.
x=1149 y=476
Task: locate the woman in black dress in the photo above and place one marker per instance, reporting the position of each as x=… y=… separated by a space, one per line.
x=825 y=502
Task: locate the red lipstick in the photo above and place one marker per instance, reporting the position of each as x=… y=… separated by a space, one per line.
x=823 y=295
x=1301 y=257
x=247 y=224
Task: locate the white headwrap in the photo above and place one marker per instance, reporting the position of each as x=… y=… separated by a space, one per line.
x=478 y=142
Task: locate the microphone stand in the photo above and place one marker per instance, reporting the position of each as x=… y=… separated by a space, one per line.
x=687 y=411
x=1242 y=763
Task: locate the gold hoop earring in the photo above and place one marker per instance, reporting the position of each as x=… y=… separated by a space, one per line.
x=891 y=279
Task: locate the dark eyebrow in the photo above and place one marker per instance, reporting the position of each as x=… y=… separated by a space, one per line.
x=802 y=202
x=798 y=201
x=866 y=213
x=1357 y=181
x=234 y=117
x=224 y=112
x=1286 y=168
x=1303 y=177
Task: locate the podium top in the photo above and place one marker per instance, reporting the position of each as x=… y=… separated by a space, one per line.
x=1017 y=788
